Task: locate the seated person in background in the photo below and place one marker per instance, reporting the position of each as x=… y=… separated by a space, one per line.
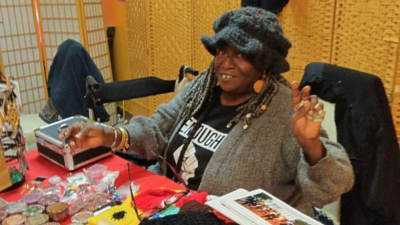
x=67 y=84
x=238 y=124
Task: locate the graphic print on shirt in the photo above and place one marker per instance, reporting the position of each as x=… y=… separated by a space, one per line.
x=189 y=163
x=206 y=138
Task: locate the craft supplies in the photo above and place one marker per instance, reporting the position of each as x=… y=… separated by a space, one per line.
x=31 y=198
x=124 y=190
x=89 y=202
x=77 y=179
x=15 y=208
x=38 y=180
x=13 y=140
x=84 y=189
x=33 y=210
x=38 y=219
x=96 y=171
x=77 y=206
x=100 y=187
x=16 y=219
x=58 y=211
x=119 y=215
x=47 y=200
x=53 y=190
x=54 y=179
x=109 y=177
x=3 y=215
x=82 y=217
x=71 y=191
x=3 y=203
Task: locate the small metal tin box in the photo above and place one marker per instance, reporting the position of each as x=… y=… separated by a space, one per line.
x=55 y=150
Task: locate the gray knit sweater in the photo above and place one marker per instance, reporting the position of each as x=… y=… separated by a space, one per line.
x=266 y=155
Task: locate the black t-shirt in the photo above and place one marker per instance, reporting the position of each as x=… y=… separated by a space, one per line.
x=205 y=142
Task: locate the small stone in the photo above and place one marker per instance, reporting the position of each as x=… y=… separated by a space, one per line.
x=248 y=116
x=245 y=127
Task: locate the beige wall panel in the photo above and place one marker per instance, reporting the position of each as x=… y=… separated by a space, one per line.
x=308 y=24
x=136 y=15
x=138 y=46
x=97 y=46
x=170 y=40
x=203 y=16
x=163 y=35
x=395 y=104
x=366 y=38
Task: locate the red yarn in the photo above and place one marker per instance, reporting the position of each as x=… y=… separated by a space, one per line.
x=222 y=217
x=198 y=197
x=153 y=198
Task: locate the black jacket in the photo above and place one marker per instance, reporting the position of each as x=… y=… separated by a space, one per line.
x=365 y=129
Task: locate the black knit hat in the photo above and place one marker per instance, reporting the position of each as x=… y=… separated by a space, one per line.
x=255 y=32
x=275 y=6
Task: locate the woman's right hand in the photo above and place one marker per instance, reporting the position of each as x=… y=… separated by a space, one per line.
x=87 y=135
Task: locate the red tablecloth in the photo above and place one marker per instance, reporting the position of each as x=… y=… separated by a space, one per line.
x=39 y=166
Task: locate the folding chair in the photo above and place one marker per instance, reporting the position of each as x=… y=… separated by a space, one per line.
x=100 y=93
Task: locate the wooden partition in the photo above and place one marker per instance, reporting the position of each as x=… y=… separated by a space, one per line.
x=21 y=54
x=82 y=21
x=30 y=36
x=163 y=35
x=358 y=34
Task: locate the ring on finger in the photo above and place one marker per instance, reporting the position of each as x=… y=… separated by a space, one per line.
x=318 y=116
x=63 y=127
x=302 y=103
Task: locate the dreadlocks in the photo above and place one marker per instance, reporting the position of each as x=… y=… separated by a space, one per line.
x=202 y=90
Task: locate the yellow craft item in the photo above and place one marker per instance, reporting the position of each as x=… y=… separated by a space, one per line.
x=119 y=215
x=104 y=221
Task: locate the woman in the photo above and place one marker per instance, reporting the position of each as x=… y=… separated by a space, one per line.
x=238 y=125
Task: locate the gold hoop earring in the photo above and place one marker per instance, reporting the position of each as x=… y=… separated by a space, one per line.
x=259 y=85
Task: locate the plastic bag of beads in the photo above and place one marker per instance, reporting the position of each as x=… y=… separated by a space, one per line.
x=109 y=177
x=77 y=179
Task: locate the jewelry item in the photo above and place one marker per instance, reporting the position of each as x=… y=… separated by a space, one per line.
x=259 y=85
x=318 y=116
x=302 y=103
x=115 y=138
x=124 y=143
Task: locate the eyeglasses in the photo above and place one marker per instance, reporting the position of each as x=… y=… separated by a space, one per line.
x=167 y=202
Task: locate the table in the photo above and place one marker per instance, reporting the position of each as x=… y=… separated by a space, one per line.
x=39 y=166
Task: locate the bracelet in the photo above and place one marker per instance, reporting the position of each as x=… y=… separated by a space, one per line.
x=125 y=146
x=124 y=143
x=115 y=137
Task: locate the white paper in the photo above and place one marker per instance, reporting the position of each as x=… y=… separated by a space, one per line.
x=217 y=205
x=270 y=205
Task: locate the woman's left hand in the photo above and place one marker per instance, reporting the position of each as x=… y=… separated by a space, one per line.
x=306 y=122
